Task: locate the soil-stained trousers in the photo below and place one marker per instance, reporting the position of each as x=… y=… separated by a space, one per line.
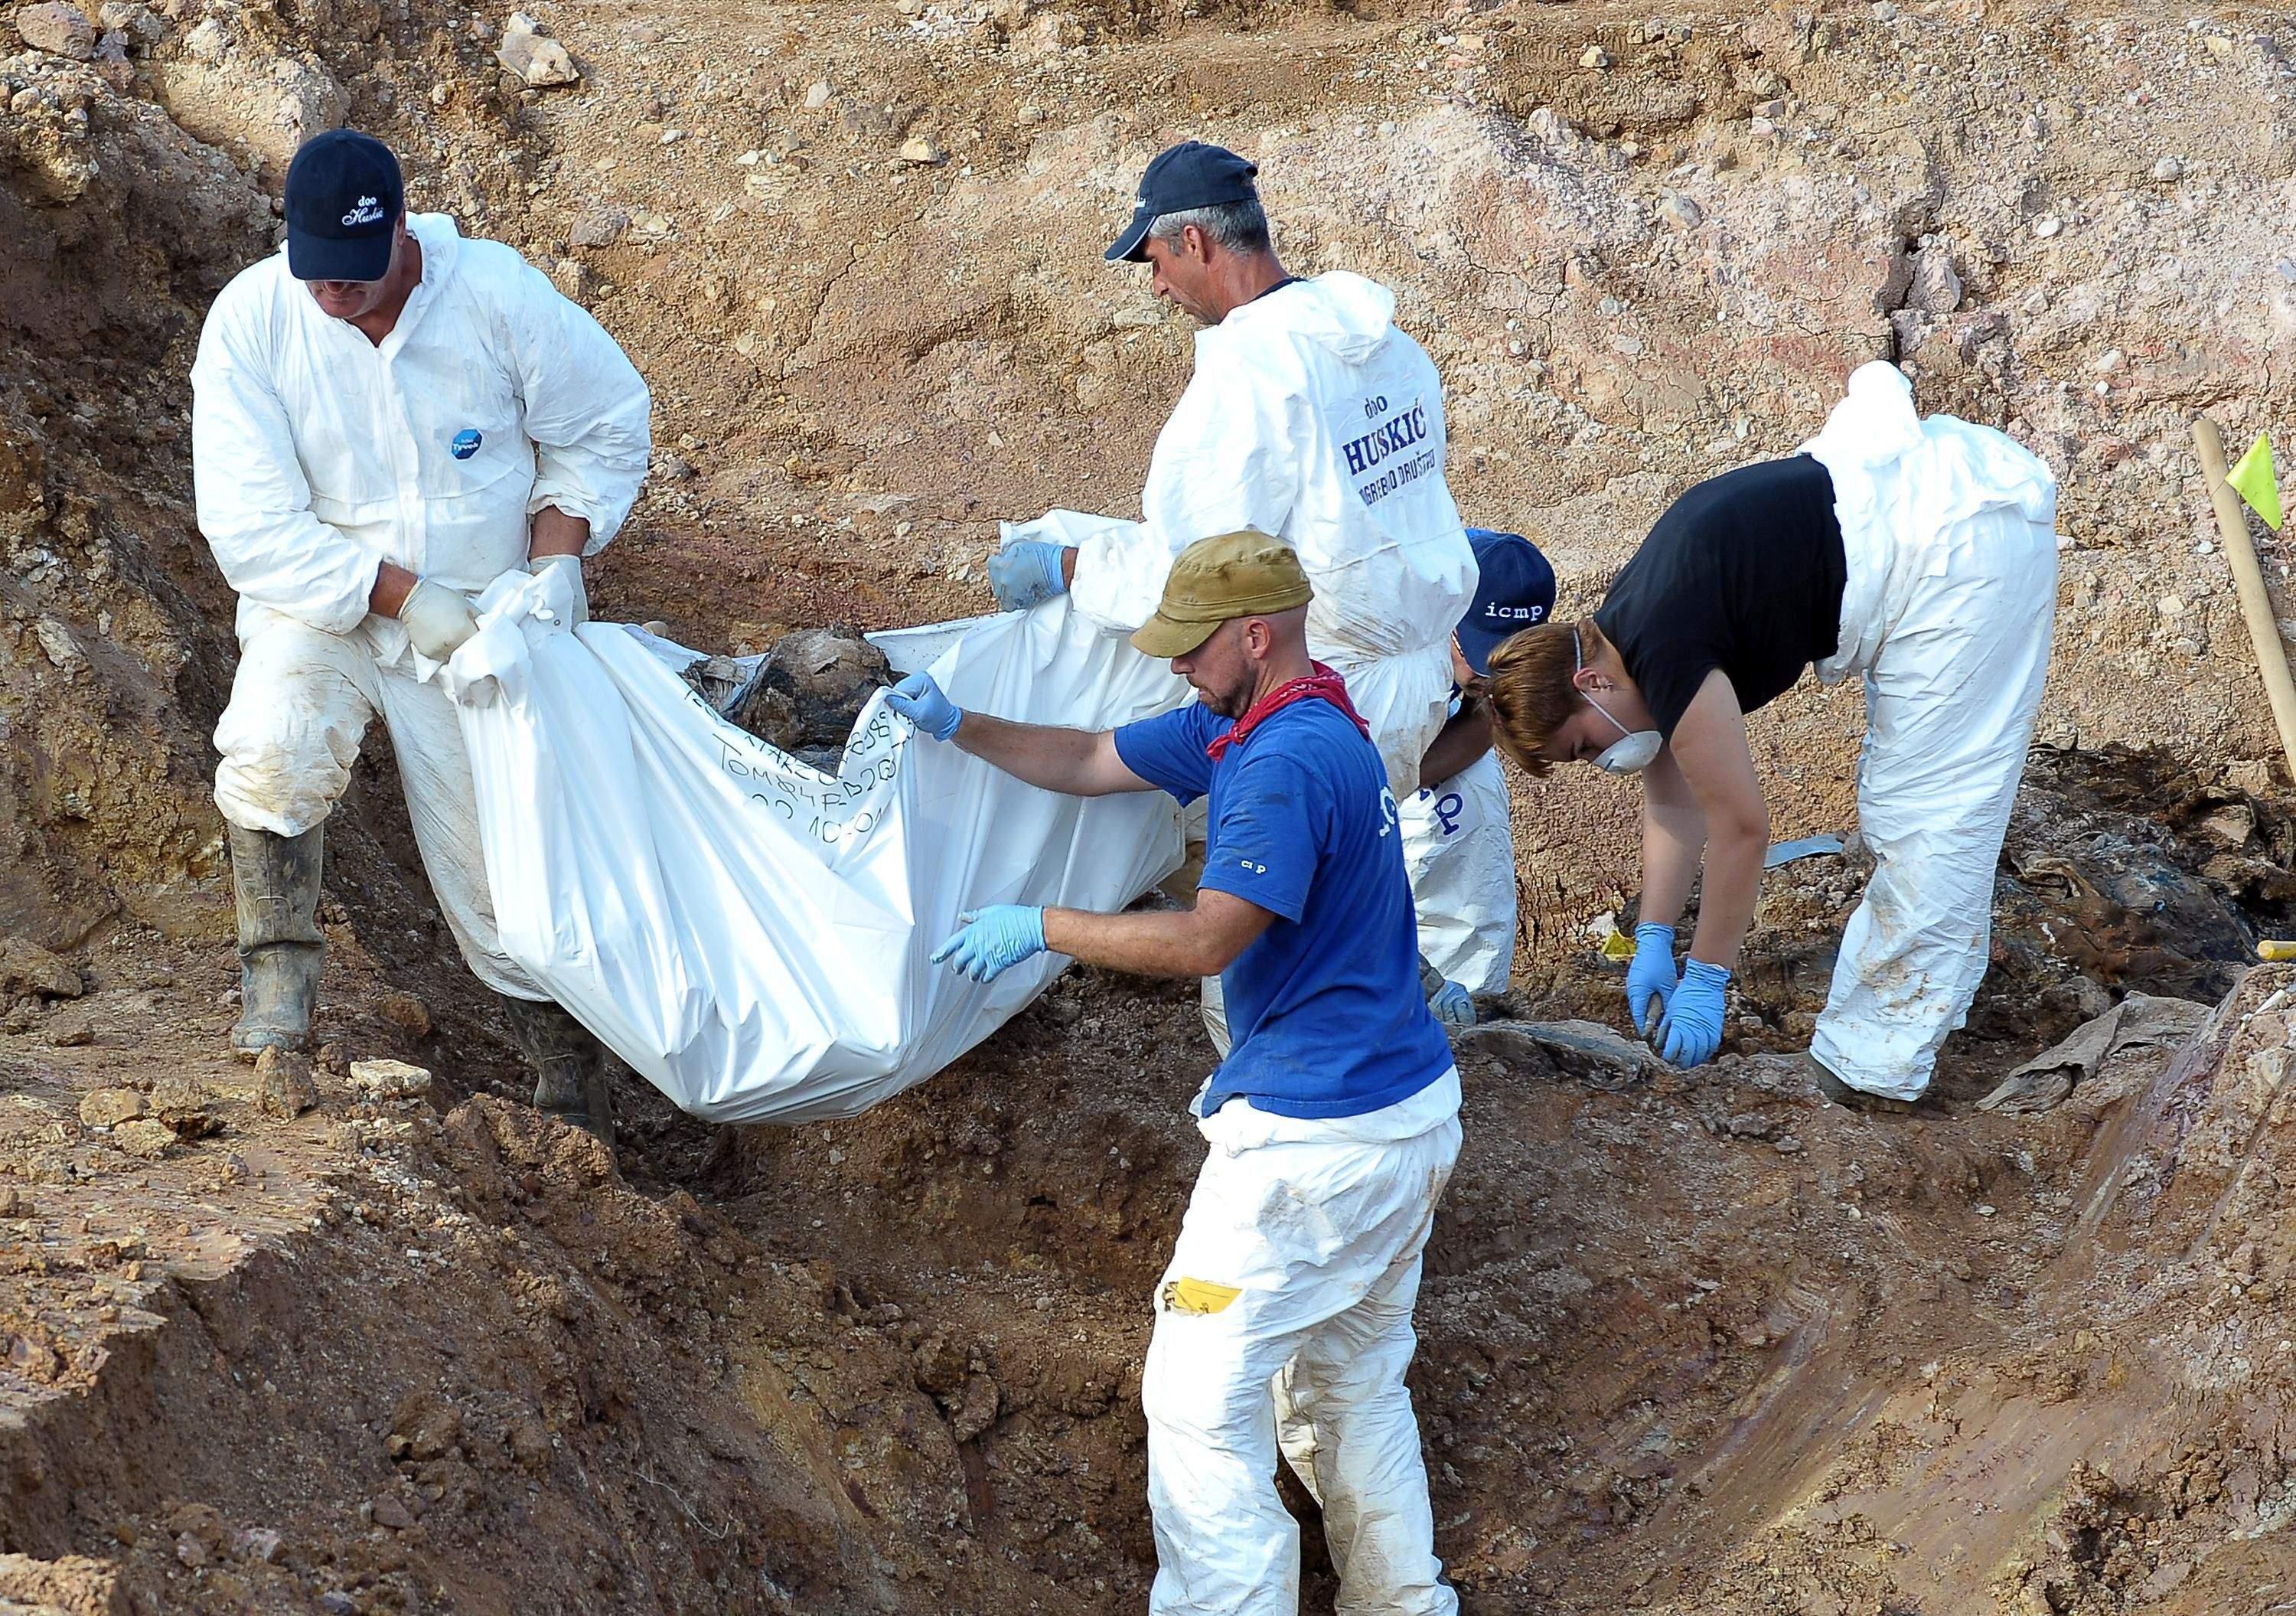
x=299 y=705
x=1948 y=612
x=1284 y=1320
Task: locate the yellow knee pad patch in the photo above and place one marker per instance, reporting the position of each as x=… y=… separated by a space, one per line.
x=1198 y=1295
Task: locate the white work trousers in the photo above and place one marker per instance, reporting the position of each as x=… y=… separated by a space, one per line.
x=1952 y=694
x=300 y=704
x=1285 y=1317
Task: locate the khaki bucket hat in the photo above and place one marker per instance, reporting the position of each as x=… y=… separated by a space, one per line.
x=1234 y=575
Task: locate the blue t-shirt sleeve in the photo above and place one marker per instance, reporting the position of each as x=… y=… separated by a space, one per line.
x=1263 y=848
x=1167 y=750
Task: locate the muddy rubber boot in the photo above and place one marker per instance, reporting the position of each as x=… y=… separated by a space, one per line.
x=1851 y=1099
x=276 y=881
x=569 y=1065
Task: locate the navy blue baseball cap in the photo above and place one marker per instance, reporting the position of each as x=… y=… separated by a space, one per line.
x=1190 y=175
x=1515 y=591
x=344 y=197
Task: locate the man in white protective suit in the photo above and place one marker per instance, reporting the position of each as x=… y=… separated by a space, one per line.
x=1458 y=845
x=385 y=418
x=1920 y=554
x=1310 y=416
x=1284 y=1317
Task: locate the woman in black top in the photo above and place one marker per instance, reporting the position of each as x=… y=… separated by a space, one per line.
x=1919 y=553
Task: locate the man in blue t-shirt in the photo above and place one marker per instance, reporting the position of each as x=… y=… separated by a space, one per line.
x=1285 y=1314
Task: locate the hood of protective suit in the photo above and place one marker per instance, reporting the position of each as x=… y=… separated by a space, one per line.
x=1343 y=313
x=1312 y=417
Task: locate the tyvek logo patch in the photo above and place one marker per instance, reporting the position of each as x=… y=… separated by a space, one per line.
x=466 y=443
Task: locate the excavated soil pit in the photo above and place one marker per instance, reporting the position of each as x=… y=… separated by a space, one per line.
x=1700 y=1343
x=1690 y=1344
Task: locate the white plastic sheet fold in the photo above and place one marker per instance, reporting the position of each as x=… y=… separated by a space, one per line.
x=749 y=933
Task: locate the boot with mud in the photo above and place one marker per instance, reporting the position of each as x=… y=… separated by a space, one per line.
x=275 y=880
x=569 y=1065
x=1851 y=1099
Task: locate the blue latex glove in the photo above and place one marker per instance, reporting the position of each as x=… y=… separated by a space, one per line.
x=1453 y=1005
x=1652 y=976
x=1025 y=572
x=994 y=941
x=1693 y=1027
x=919 y=701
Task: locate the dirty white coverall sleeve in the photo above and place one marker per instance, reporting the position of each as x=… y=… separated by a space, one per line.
x=587 y=410
x=253 y=500
x=1227 y=459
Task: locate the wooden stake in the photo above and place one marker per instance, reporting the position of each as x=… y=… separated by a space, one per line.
x=2247 y=576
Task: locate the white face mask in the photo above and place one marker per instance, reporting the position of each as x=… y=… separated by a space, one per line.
x=1635 y=749
x=1631 y=755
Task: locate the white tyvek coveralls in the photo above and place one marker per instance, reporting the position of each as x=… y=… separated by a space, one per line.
x=1310 y=417
x=1319 y=1226
x=1947 y=612
x=317 y=454
x=1458 y=846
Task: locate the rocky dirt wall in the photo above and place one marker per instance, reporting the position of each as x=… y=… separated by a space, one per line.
x=856 y=249
x=1690 y=1343
x=384 y=1361
x=115 y=229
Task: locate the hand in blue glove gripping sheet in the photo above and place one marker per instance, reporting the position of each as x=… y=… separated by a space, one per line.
x=1025 y=573
x=994 y=941
x=922 y=702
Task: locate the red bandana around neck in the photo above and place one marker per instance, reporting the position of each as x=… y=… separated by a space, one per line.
x=1322 y=685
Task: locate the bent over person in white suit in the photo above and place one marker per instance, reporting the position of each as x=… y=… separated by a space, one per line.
x=1917 y=552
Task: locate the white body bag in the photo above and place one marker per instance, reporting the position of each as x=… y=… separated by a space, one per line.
x=749 y=933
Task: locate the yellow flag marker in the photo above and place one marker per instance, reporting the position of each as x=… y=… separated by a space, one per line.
x=2253 y=482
